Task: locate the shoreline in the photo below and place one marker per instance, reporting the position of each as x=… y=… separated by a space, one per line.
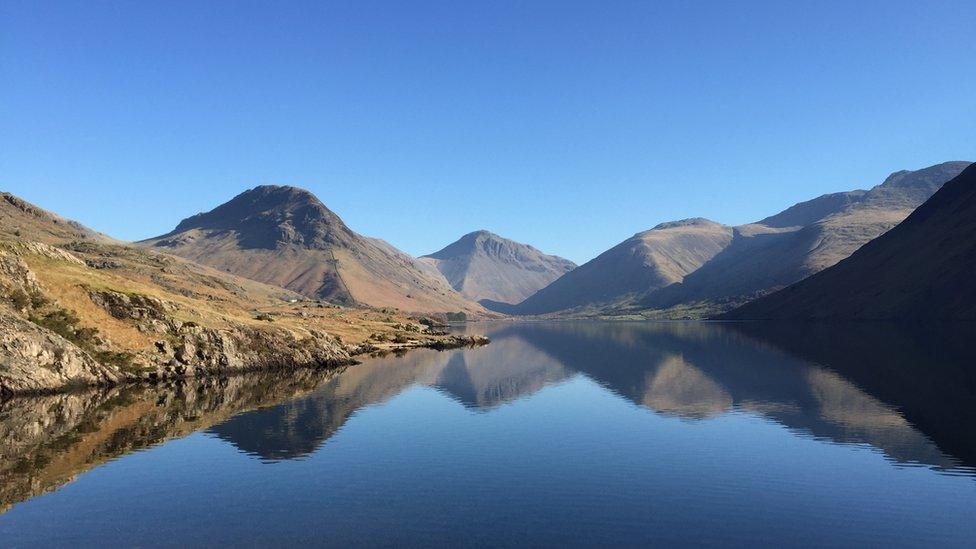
x=169 y=373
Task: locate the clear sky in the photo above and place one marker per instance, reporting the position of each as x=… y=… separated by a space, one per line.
x=566 y=125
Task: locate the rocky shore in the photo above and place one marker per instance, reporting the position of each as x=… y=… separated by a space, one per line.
x=45 y=347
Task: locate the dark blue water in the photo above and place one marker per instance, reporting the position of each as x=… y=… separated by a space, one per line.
x=555 y=434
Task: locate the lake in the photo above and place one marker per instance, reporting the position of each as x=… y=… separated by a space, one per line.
x=563 y=433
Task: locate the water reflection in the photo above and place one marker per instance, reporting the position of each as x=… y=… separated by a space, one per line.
x=49 y=440
x=907 y=393
x=510 y=369
x=925 y=372
x=686 y=370
x=845 y=384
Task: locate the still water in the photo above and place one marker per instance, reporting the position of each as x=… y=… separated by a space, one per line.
x=555 y=434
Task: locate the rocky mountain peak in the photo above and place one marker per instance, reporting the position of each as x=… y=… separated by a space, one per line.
x=272 y=216
x=690 y=222
x=930 y=178
x=475 y=242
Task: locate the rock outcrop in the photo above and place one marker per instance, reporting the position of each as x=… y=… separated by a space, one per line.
x=33 y=359
x=44 y=347
x=188 y=349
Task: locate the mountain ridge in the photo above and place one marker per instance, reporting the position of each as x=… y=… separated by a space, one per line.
x=736 y=263
x=764 y=258
x=286 y=236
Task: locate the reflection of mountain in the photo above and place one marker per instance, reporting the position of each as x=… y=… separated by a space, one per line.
x=679 y=388
x=479 y=378
x=299 y=427
x=689 y=370
x=696 y=370
x=505 y=371
x=926 y=372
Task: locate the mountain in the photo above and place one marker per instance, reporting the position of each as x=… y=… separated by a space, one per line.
x=925 y=268
x=648 y=260
x=286 y=237
x=750 y=260
x=490 y=269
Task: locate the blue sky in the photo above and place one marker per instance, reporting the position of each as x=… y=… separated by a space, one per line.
x=567 y=125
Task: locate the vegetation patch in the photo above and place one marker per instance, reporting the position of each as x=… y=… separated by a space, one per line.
x=66 y=324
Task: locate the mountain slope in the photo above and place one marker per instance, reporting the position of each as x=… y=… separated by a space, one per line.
x=805 y=239
x=737 y=263
x=925 y=268
x=285 y=236
x=648 y=260
x=487 y=268
x=20 y=219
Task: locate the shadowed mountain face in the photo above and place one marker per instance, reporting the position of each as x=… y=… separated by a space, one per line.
x=805 y=239
x=910 y=395
x=701 y=263
x=285 y=236
x=925 y=268
x=489 y=269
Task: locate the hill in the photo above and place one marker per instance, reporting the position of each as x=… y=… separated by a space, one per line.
x=648 y=260
x=782 y=249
